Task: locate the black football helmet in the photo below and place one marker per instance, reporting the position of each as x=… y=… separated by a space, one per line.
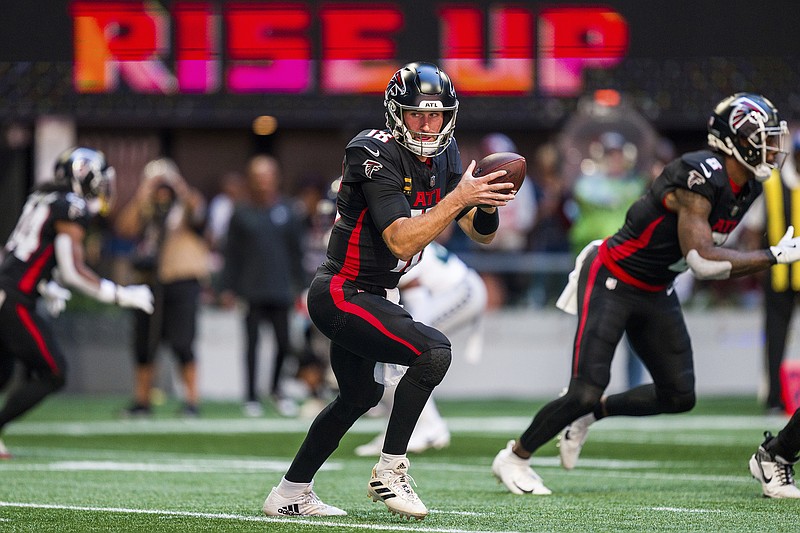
x=748 y=127
x=85 y=172
x=421 y=87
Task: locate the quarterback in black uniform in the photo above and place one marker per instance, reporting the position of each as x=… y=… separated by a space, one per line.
x=401 y=187
x=624 y=284
x=49 y=234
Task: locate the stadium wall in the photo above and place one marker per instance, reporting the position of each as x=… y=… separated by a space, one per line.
x=526 y=354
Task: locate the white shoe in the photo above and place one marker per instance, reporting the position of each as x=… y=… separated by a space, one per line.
x=252 y=409
x=372 y=448
x=286 y=406
x=425 y=439
x=304 y=504
x=775 y=473
x=516 y=473
x=392 y=485
x=4 y=453
x=571 y=440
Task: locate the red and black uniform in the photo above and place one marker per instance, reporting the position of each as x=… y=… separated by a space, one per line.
x=25 y=335
x=625 y=286
x=381 y=182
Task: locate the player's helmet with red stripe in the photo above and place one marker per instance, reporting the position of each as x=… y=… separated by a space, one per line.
x=421 y=87
x=85 y=172
x=748 y=127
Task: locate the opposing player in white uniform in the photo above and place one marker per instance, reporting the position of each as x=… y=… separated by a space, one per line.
x=442 y=292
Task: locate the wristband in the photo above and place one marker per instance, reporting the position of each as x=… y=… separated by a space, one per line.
x=107 y=292
x=485 y=223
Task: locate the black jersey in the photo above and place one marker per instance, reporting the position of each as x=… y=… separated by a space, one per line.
x=29 y=251
x=381 y=182
x=645 y=252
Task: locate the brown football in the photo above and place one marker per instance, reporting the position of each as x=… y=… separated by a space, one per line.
x=513 y=164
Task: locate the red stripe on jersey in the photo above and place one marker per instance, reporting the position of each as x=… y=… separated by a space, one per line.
x=337 y=293
x=587 y=294
x=30 y=325
x=610 y=256
x=352 y=257
x=28 y=280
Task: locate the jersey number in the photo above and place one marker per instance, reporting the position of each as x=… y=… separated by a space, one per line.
x=26 y=237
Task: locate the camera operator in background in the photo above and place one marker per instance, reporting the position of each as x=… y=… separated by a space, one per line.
x=166 y=219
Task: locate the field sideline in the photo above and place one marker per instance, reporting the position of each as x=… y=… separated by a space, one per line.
x=77 y=468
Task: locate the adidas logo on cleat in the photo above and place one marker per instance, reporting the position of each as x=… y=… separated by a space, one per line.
x=290 y=510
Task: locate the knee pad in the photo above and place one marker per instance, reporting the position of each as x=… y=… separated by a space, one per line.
x=583 y=396
x=430 y=367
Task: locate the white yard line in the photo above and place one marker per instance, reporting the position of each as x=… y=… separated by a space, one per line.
x=512 y=425
x=311 y=522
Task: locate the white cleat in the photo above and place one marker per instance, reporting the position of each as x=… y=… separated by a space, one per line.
x=392 y=485
x=425 y=439
x=371 y=449
x=304 y=504
x=516 y=473
x=775 y=473
x=571 y=440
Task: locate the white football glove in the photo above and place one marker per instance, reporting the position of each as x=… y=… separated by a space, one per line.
x=788 y=248
x=55 y=297
x=136 y=296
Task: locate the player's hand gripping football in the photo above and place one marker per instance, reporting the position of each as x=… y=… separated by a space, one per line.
x=136 y=296
x=788 y=248
x=481 y=191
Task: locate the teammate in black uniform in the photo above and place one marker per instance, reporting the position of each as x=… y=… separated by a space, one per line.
x=49 y=234
x=624 y=283
x=401 y=187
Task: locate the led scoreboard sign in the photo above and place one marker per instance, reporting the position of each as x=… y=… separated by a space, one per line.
x=333 y=48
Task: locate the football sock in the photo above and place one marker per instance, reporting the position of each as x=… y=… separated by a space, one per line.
x=387 y=458
x=288 y=488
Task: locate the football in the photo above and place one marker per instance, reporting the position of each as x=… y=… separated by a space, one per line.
x=514 y=165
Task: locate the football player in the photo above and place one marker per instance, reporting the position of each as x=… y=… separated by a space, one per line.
x=624 y=283
x=48 y=239
x=401 y=187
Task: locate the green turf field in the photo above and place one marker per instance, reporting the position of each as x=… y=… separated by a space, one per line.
x=78 y=468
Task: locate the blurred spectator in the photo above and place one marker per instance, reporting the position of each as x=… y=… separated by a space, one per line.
x=516 y=222
x=263 y=267
x=766 y=222
x=220 y=209
x=166 y=219
x=605 y=189
x=551 y=229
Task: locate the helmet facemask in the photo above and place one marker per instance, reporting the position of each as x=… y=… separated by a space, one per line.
x=407 y=137
x=763 y=150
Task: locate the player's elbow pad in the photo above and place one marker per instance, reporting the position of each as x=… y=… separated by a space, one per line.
x=706 y=268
